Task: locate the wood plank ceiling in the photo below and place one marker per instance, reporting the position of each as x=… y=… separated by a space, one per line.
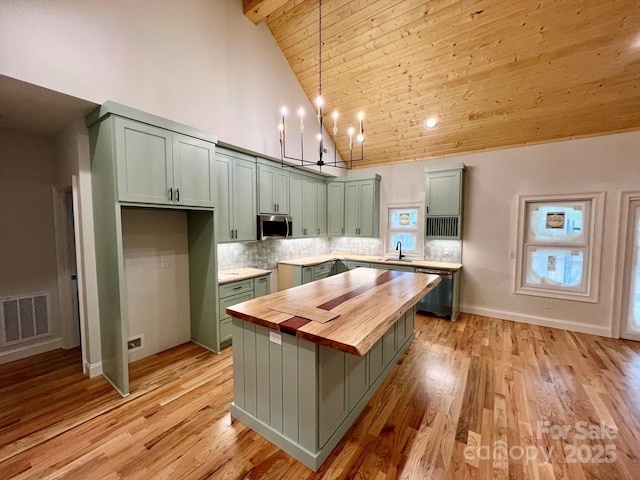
x=496 y=73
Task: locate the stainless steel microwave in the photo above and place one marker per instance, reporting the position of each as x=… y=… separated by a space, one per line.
x=274 y=226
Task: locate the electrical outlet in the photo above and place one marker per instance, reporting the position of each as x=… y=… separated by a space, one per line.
x=134 y=343
x=548 y=304
x=445 y=252
x=164 y=263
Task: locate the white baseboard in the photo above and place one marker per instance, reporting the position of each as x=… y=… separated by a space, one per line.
x=92 y=369
x=540 y=321
x=24 y=351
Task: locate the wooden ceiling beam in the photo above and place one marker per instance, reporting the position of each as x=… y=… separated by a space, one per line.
x=258 y=10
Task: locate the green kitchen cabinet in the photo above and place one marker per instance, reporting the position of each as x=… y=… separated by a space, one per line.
x=273 y=190
x=236 y=292
x=335 y=209
x=160 y=166
x=351 y=265
x=308 y=206
x=390 y=266
x=293 y=275
x=321 y=206
x=141 y=161
x=362 y=207
x=235 y=176
x=443 y=201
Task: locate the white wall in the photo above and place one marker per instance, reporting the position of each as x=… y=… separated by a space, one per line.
x=493 y=182
x=198 y=62
x=27 y=237
x=157 y=296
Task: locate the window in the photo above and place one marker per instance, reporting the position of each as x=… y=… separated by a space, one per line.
x=404 y=225
x=559 y=240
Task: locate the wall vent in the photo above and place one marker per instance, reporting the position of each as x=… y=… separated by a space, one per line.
x=24 y=318
x=443 y=227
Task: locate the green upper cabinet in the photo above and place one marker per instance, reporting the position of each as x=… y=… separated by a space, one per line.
x=295 y=205
x=273 y=184
x=362 y=207
x=443 y=201
x=308 y=206
x=335 y=209
x=159 y=166
x=236 y=197
x=321 y=208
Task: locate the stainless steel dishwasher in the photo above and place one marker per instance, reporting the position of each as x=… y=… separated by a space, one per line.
x=438 y=301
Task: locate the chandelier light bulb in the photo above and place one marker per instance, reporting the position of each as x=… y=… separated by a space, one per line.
x=281 y=127
x=283 y=111
x=360 y=116
x=301 y=112
x=351 y=131
x=335 y=115
x=319 y=101
x=431 y=122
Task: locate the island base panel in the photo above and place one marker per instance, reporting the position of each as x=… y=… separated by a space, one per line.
x=301 y=396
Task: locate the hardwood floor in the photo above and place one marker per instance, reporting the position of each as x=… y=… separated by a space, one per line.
x=478 y=398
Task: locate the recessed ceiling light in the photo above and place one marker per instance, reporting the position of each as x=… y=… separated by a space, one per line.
x=431 y=122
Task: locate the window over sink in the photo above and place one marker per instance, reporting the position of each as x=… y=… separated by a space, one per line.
x=404 y=225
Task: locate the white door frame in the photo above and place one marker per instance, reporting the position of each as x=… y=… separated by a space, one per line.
x=623 y=265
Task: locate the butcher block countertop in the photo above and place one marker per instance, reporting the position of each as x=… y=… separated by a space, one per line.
x=368 y=301
x=235 y=274
x=317 y=259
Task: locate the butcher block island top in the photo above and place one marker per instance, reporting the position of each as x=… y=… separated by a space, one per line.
x=367 y=301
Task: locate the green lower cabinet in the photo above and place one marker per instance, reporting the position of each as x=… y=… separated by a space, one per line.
x=237 y=292
x=301 y=396
x=351 y=265
x=397 y=268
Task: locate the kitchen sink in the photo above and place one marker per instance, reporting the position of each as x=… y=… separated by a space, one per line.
x=397 y=260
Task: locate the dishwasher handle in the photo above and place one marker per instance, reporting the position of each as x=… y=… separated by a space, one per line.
x=442 y=273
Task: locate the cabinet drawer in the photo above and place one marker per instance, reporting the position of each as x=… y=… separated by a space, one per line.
x=225 y=330
x=233 y=300
x=236 y=287
x=322 y=269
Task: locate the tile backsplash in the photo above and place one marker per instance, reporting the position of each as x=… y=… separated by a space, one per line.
x=266 y=254
x=443 y=251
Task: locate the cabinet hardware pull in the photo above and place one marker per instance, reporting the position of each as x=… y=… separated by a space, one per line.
x=342 y=230
x=177 y=194
x=231 y=233
x=238 y=287
x=236 y=233
x=275 y=207
x=318 y=231
x=427 y=209
x=171 y=194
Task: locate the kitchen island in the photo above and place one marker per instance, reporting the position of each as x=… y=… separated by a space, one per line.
x=307 y=360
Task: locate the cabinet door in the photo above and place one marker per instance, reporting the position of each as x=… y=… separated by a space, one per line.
x=335 y=209
x=368 y=211
x=442 y=192
x=295 y=205
x=351 y=209
x=310 y=207
x=262 y=286
x=193 y=171
x=266 y=181
x=144 y=162
x=307 y=275
x=224 y=213
x=244 y=200
x=282 y=191
x=333 y=402
x=322 y=209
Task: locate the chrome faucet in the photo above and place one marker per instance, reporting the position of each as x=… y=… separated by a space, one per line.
x=399 y=247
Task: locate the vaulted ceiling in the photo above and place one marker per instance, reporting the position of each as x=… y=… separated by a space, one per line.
x=496 y=73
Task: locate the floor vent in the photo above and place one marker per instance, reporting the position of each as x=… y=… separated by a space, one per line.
x=24 y=318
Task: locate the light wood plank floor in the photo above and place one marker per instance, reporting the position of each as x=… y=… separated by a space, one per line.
x=478 y=398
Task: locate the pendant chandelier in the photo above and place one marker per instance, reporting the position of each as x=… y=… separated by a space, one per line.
x=355 y=139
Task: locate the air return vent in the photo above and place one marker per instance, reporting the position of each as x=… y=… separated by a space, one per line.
x=24 y=318
x=443 y=227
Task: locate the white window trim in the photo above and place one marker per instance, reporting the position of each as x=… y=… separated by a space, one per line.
x=592 y=256
x=388 y=249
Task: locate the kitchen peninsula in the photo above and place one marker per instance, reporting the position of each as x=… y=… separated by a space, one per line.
x=307 y=360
